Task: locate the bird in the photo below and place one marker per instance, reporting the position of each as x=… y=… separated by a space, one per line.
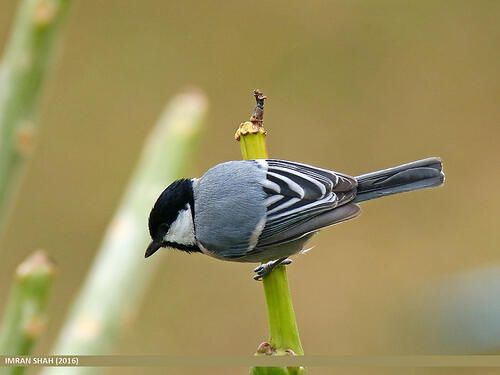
x=266 y=210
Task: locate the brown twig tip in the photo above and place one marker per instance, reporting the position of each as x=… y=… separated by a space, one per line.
x=259 y=95
x=258 y=113
x=254 y=126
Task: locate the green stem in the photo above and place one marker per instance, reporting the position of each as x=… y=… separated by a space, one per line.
x=284 y=334
x=282 y=323
x=26 y=61
x=25 y=311
x=119 y=276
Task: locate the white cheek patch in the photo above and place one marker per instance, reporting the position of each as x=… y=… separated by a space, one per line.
x=182 y=230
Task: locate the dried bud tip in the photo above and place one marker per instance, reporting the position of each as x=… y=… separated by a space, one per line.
x=258 y=113
x=259 y=96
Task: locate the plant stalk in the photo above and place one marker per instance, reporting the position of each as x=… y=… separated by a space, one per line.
x=25 y=64
x=284 y=334
x=24 y=316
x=111 y=294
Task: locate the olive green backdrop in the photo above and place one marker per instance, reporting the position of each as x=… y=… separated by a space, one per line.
x=353 y=86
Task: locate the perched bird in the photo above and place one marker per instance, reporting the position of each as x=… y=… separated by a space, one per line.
x=266 y=210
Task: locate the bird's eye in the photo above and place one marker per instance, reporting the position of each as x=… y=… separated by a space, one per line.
x=164 y=227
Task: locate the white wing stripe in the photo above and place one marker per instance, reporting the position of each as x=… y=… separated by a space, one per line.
x=284 y=205
x=272 y=199
x=306 y=166
x=300 y=175
x=317 y=172
x=271 y=186
x=331 y=198
x=291 y=184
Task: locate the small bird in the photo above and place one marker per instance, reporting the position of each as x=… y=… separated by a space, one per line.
x=265 y=210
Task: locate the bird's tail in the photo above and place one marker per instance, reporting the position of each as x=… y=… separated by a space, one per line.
x=417 y=175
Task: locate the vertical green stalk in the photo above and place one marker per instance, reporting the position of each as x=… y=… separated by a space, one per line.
x=25 y=311
x=284 y=334
x=25 y=63
x=118 y=278
x=282 y=323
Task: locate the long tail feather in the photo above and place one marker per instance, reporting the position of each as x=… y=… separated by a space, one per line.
x=421 y=174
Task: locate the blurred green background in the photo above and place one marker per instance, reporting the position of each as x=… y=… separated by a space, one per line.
x=353 y=86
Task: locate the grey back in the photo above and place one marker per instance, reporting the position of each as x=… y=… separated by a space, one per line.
x=229 y=203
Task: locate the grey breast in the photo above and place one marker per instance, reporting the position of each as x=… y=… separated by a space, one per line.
x=229 y=203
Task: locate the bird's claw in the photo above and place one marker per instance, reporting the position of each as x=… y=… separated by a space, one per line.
x=266 y=268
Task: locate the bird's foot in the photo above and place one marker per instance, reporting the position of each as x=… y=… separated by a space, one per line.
x=266 y=268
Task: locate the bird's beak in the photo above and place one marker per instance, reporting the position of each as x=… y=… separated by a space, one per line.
x=152 y=248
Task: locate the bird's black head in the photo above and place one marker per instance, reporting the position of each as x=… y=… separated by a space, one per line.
x=175 y=203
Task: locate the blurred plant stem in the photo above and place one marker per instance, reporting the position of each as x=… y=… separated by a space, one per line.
x=284 y=334
x=24 y=315
x=23 y=70
x=111 y=295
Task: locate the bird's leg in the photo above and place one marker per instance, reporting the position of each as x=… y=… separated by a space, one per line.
x=266 y=268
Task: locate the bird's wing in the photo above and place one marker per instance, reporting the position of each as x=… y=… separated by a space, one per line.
x=297 y=193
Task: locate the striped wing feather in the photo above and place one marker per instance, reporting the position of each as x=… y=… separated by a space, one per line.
x=297 y=193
